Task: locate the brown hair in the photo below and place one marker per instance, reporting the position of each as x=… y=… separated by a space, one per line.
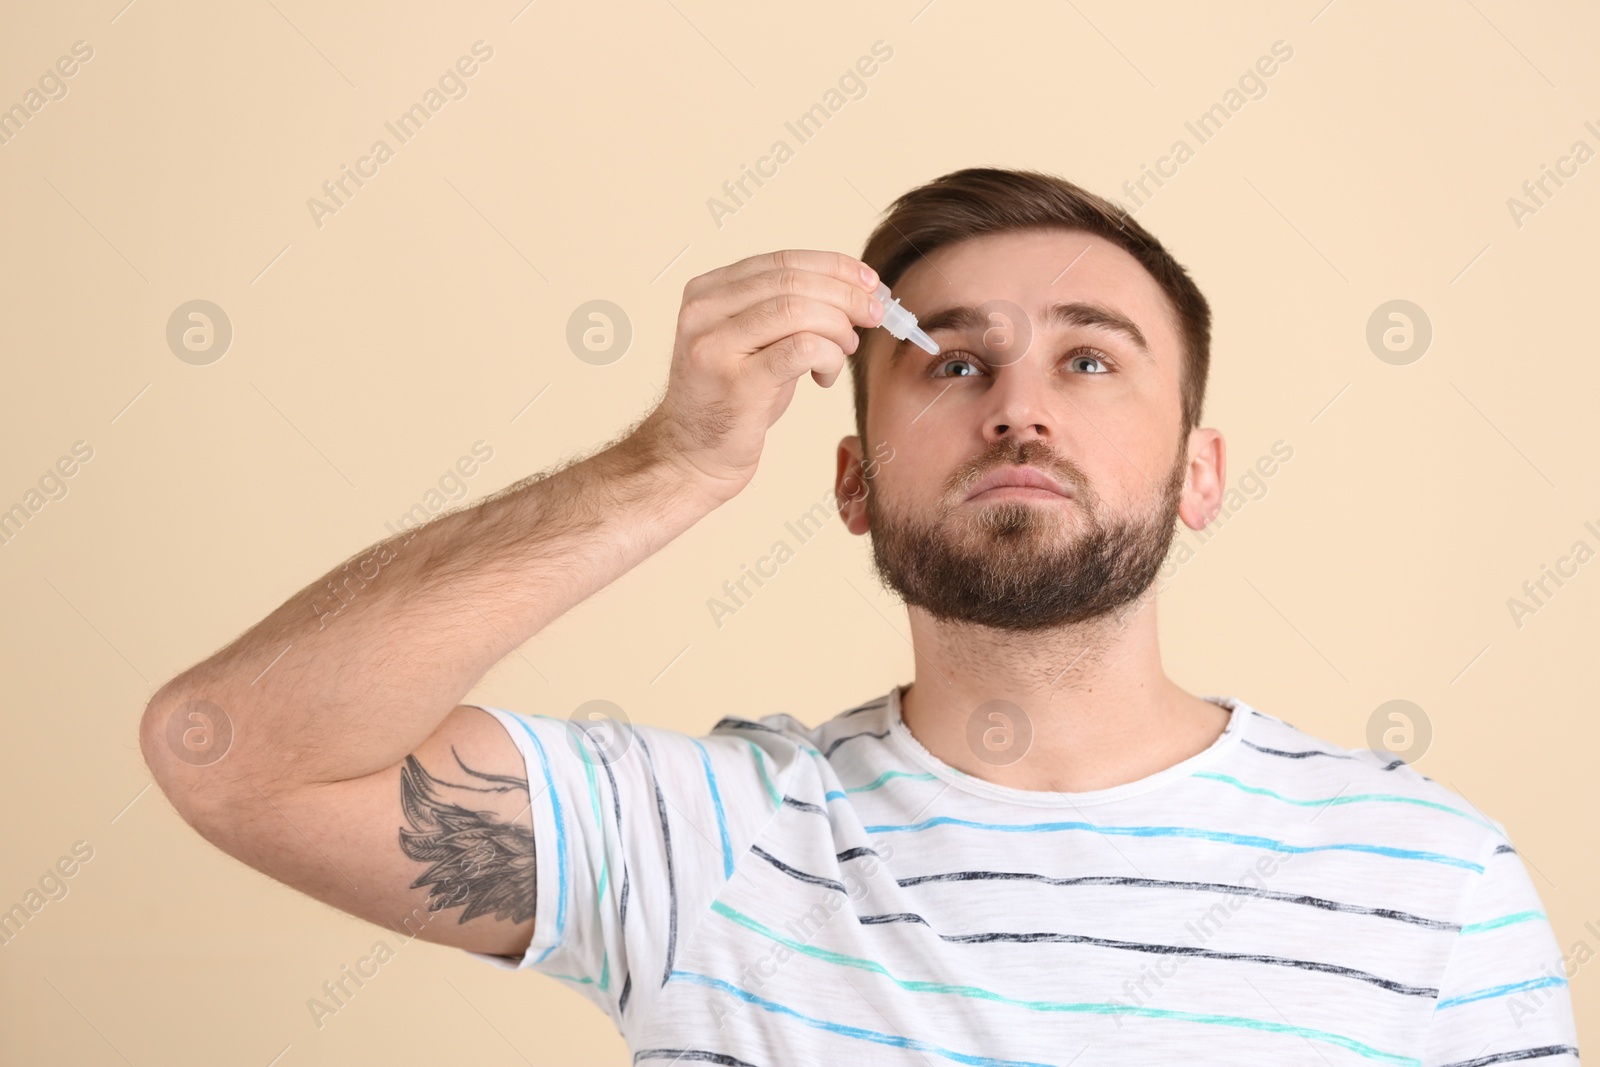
x=983 y=200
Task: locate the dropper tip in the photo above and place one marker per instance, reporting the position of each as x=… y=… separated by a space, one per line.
x=923 y=341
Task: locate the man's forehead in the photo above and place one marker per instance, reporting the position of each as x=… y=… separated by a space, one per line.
x=1056 y=280
x=1033 y=269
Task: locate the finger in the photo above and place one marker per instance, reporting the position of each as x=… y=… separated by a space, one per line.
x=836 y=265
x=738 y=295
x=855 y=302
x=791 y=356
x=826 y=381
x=772 y=319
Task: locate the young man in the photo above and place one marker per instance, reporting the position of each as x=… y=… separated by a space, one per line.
x=1040 y=851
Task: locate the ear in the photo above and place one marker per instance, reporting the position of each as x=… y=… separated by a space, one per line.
x=1204 y=478
x=850 y=486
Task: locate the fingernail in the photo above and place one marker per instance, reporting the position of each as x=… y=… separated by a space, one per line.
x=869 y=276
x=875 y=307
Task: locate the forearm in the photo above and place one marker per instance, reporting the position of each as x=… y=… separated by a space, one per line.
x=357 y=669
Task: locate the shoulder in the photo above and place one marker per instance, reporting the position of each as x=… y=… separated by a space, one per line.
x=1348 y=790
x=784 y=725
x=783 y=730
x=787 y=742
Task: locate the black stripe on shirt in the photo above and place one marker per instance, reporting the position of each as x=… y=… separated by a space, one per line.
x=796 y=874
x=858 y=852
x=698 y=1055
x=746 y=724
x=616 y=812
x=666 y=843
x=830 y=749
x=1518 y=1054
x=1295 y=755
x=1206 y=887
x=892 y=917
x=870 y=705
x=1161 y=950
x=1391 y=765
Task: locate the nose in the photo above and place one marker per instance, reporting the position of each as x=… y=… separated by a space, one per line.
x=1018 y=410
x=1022 y=431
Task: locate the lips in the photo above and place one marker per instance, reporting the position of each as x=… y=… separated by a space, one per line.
x=1018 y=476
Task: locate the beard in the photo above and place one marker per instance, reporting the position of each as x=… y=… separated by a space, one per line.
x=1019 y=565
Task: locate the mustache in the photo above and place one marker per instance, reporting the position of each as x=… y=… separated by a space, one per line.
x=1011 y=452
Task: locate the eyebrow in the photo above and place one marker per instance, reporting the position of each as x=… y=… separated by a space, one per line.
x=968 y=318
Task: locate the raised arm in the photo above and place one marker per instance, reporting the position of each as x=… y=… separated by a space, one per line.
x=331 y=750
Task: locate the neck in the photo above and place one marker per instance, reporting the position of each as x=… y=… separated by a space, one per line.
x=1093 y=696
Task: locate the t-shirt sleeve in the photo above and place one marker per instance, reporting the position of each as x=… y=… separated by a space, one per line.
x=1504 y=995
x=636 y=829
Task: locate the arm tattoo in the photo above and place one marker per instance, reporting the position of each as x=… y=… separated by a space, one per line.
x=476 y=858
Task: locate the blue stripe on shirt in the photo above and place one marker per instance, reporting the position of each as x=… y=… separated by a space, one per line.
x=1355 y=798
x=716 y=801
x=895 y=1040
x=561 y=839
x=1497 y=991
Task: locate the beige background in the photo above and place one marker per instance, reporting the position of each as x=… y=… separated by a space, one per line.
x=372 y=352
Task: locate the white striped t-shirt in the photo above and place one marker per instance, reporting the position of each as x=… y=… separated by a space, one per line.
x=775 y=894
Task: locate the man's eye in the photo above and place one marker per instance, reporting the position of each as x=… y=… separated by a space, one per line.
x=943 y=363
x=1102 y=364
x=1105 y=367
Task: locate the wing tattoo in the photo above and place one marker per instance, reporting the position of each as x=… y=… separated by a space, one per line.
x=476 y=859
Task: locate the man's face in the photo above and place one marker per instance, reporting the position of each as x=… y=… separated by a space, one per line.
x=1018 y=388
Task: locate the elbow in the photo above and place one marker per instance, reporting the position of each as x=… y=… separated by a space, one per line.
x=185 y=741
